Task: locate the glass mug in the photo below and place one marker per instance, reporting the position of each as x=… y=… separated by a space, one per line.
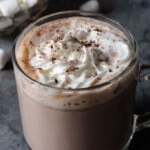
x=108 y=123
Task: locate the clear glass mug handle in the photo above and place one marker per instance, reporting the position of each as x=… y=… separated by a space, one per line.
x=143 y=121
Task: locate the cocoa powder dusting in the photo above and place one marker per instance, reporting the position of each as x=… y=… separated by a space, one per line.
x=39 y=33
x=110 y=70
x=53 y=59
x=71 y=69
x=51 y=46
x=97 y=29
x=56 y=81
x=58 y=38
x=89 y=43
x=31 y=43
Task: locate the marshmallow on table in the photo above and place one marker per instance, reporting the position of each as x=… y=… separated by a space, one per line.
x=26 y=4
x=4 y=58
x=30 y=3
x=91 y=5
x=9 y=8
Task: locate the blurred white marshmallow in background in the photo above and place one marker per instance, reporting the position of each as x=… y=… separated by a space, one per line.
x=91 y=5
x=31 y=3
x=9 y=8
x=4 y=58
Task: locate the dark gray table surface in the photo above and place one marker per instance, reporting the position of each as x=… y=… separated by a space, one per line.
x=135 y=15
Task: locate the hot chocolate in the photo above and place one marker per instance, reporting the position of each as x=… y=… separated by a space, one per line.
x=74 y=53
x=68 y=97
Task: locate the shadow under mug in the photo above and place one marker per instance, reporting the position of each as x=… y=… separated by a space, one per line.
x=106 y=124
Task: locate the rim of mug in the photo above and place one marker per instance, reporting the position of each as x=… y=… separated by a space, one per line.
x=73 y=13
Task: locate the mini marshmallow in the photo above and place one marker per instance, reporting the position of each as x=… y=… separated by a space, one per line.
x=4 y=58
x=9 y=8
x=5 y=22
x=31 y=3
x=91 y=5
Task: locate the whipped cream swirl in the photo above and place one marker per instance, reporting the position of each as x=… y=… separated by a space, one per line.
x=79 y=56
